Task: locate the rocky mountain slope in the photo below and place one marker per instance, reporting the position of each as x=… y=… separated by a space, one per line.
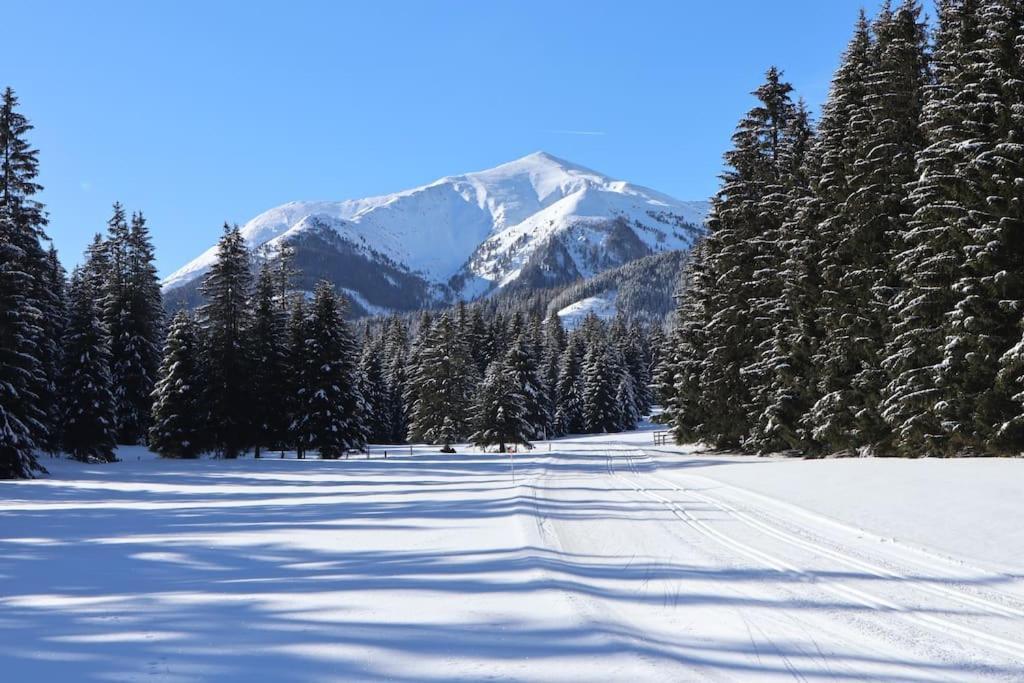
x=538 y=221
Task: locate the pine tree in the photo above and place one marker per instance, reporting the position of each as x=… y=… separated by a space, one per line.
x=500 y=411
x=553 y=346
x=269 y=354
x=179 y=415
x=683 y=360
x=22 y=220
x=330 y=417
x=441 y=382
x=298 y=333
x=225 y=320
x=569 y=391
x=53 y=322
x=738 y=255
x=88 y=425
x=782 y=392
x=601 y=376
x=133 y=312
x=396 y=360
x=374 y=390
x=980 y=371
x=521 y=365
x=866 y=229
x=943 y=198
x=625 y=401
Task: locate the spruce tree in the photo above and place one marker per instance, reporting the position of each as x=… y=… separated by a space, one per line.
x=441 y=382
x=782 y=391
x=568 y=417
x=682 y=362
x=553 y=346
x=298 y=333
x=981 y=369
x=601 y=376
x=179 y=415
x=22 y=221
x=88 y=429
x=225 y=320
x=738 y=252
x=521 y=366
x=133 y=312
x=943 y=198
x=330 y=409
x=396 y=360
x=866 y=229
x=374 y=390
x=53 y=323
x=269 y=355
x=500 y=411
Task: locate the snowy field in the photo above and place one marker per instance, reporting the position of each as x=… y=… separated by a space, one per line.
x=609 y=559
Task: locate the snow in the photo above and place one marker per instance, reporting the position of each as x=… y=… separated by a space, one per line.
x=372 y=309
x=602 y=306
x=489 y=221
x=609 y=559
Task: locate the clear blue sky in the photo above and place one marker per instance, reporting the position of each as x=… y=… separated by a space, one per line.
x=201 y=112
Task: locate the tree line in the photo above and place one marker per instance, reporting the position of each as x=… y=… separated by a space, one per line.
x=862 y=286
x=78 y=358
x=264 y=367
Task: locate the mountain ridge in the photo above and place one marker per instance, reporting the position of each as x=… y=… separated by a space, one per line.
x=538 y=218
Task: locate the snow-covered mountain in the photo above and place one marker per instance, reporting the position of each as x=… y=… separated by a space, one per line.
x=535 y=221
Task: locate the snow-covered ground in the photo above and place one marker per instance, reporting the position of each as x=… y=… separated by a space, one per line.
x=608 y=559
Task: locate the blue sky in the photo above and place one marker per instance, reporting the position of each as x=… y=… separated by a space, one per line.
x=201 y=112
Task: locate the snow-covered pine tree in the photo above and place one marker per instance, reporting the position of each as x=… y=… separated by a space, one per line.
x=133 y=312
x=625 y=401
x=298 y=333
x=96 y=269
x=88 y=430
x=268 y=347
x=866 y=230
x=678 y=378
x=813 y=289
x=986 y=321
x=739 y=252
x=568 y=417
x=225 y=319
x=478 y=337
x=499 y=415
x=179 y=425
x=374 y=390
x=943 y=197
x=627 y=340
x=22 y=221
x=115 y=312
x=410 y=393
x=601 y=375
x=783 y=390
x=330 y=418
x=396 y=360
x=442 y=382
x=521 y=366
x=53 y=306
x=554 y=345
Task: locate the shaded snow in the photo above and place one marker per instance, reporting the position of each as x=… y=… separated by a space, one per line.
x=608 y=559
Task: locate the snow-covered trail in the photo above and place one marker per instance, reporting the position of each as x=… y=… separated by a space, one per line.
x=605 y=561
x=768 y=590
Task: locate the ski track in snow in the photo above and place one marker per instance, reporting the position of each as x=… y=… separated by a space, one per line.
x=606 y=560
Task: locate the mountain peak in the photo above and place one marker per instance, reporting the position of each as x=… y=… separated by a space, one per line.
x=466 y=235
